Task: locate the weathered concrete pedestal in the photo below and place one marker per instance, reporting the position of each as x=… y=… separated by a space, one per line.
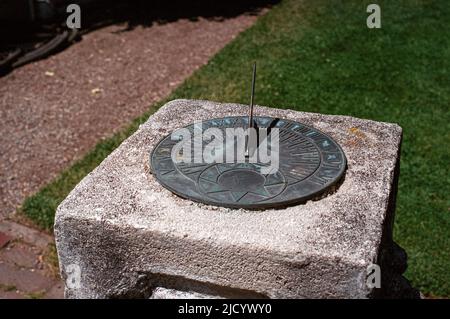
x=130 y=237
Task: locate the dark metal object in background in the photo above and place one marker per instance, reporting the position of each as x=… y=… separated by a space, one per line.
x=32 y=30
x=309 y=163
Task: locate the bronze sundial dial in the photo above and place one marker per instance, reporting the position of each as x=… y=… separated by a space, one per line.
x=307 y=164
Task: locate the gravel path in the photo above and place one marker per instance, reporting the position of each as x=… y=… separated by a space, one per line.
x=53 y=111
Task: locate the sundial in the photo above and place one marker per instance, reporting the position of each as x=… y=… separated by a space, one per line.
x=235 y=173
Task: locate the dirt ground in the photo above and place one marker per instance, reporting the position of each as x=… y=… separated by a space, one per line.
x=54 y=110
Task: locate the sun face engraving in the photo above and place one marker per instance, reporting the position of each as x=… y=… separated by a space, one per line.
x=240 y=183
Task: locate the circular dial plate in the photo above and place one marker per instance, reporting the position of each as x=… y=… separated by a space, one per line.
x=309 y=162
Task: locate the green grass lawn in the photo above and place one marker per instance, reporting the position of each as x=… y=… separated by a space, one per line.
x=319 y=56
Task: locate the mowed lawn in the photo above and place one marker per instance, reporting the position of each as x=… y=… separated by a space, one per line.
x=319 y=56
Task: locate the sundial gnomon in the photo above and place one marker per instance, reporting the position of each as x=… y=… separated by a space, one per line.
x=309 y=162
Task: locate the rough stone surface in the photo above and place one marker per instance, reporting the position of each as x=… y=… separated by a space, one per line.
x=165 y=293
x=130 y=235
